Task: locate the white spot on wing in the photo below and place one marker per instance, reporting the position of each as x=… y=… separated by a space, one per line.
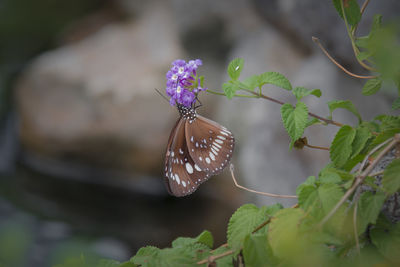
x=189 y=168
x=197 y=167
x=208 y=160
x=221 y=137
x=212 y=156
x=184 y=184
x=219 y=141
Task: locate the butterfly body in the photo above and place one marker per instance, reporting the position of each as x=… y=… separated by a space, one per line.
x=198 y=148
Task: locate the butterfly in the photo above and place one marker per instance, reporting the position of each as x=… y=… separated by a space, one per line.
x=197 y=149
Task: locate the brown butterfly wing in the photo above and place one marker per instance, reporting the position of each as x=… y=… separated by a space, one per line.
x=182 y=175
x=210 y=145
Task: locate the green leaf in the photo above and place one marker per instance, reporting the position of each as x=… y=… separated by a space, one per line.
x=351 y=10
x=205 y=238
x=329 y=195
x=329 y=176
x=341 y=149
x=372 y=86
x=388 y=122
x=387 y=239
x=346 y=104
x=243 y=222
x=396 y=104
x=300 y=92
x=369 y=206
x=363 y=55
x=382 y=137
x=146 y=255
x=226 y=261
x=391 y=177
x=307 y=196
x=283 y=231
x=312 y=121
x=252 y=82
x=275 y=78
x=309 y=181
x=360 y=140
x=362 y=42
x=230 y=89
x=294 y=119
x=257 y=251
x=235 y=67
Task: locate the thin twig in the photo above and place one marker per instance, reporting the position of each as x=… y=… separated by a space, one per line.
x=317 y=147
x=376 y=174
x=360 y=178
x=328 y=121
x=254 y=191
x=261 y=225
x=372 y=152
x=316 y=40
x=216 y=257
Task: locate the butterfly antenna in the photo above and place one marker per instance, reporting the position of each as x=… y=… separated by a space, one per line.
x=163 y=96
x=200 y=104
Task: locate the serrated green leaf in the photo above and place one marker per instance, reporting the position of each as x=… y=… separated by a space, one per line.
x=396 y=104
x=387 y=239
x=369 y=206
x=294 y=119
x=300 y=92
x=307 y=196
x=351 y=10
x=146 y=256
x=283 y=231
x=252 y=82
x=346 y=104
x=391 y=177
x=329 y=176
x=230 y=89
x=372 y=86
x=243 y=222
x=205 y=238
x=388 y=122
x=329 y=194
x=257 y=251
x=309 y=181
x=275 y=78
x=235 y=67
x=340 y=150
x=360 y=140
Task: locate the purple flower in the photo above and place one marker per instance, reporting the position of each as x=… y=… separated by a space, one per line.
x=182 y=82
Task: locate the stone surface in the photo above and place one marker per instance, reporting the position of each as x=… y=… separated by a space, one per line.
x=94 y=101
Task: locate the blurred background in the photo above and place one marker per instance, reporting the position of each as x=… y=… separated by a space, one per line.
x=83 y=133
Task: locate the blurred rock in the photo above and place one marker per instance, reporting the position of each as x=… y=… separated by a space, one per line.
x=94 y=101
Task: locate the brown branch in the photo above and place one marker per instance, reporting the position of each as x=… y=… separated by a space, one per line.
x=317 y=147
x=328 y=121
x=360 y=178
x=254 y=191
x=216 y=257
x=316 y=40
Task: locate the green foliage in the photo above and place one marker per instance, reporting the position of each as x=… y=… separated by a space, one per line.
x=300 y=92
x=369 y=206
x=274 y=78
x=351 y=10
x=396 y=104
x=341 y=148
x=386 y=238
x=372 y=86
x=245 y=220
x=294 y=119
x=346 y=104
x=391 y=177
x=257 y=251
x=235 y=67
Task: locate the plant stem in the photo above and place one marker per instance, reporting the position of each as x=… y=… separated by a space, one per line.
x=254 y=191
x=328 y=121
x=353 y=44
x=317 y=147
x=236 y=95
x=213 y=258
x=316 y=40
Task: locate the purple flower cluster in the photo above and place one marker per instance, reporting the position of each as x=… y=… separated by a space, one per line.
x=183 y=83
